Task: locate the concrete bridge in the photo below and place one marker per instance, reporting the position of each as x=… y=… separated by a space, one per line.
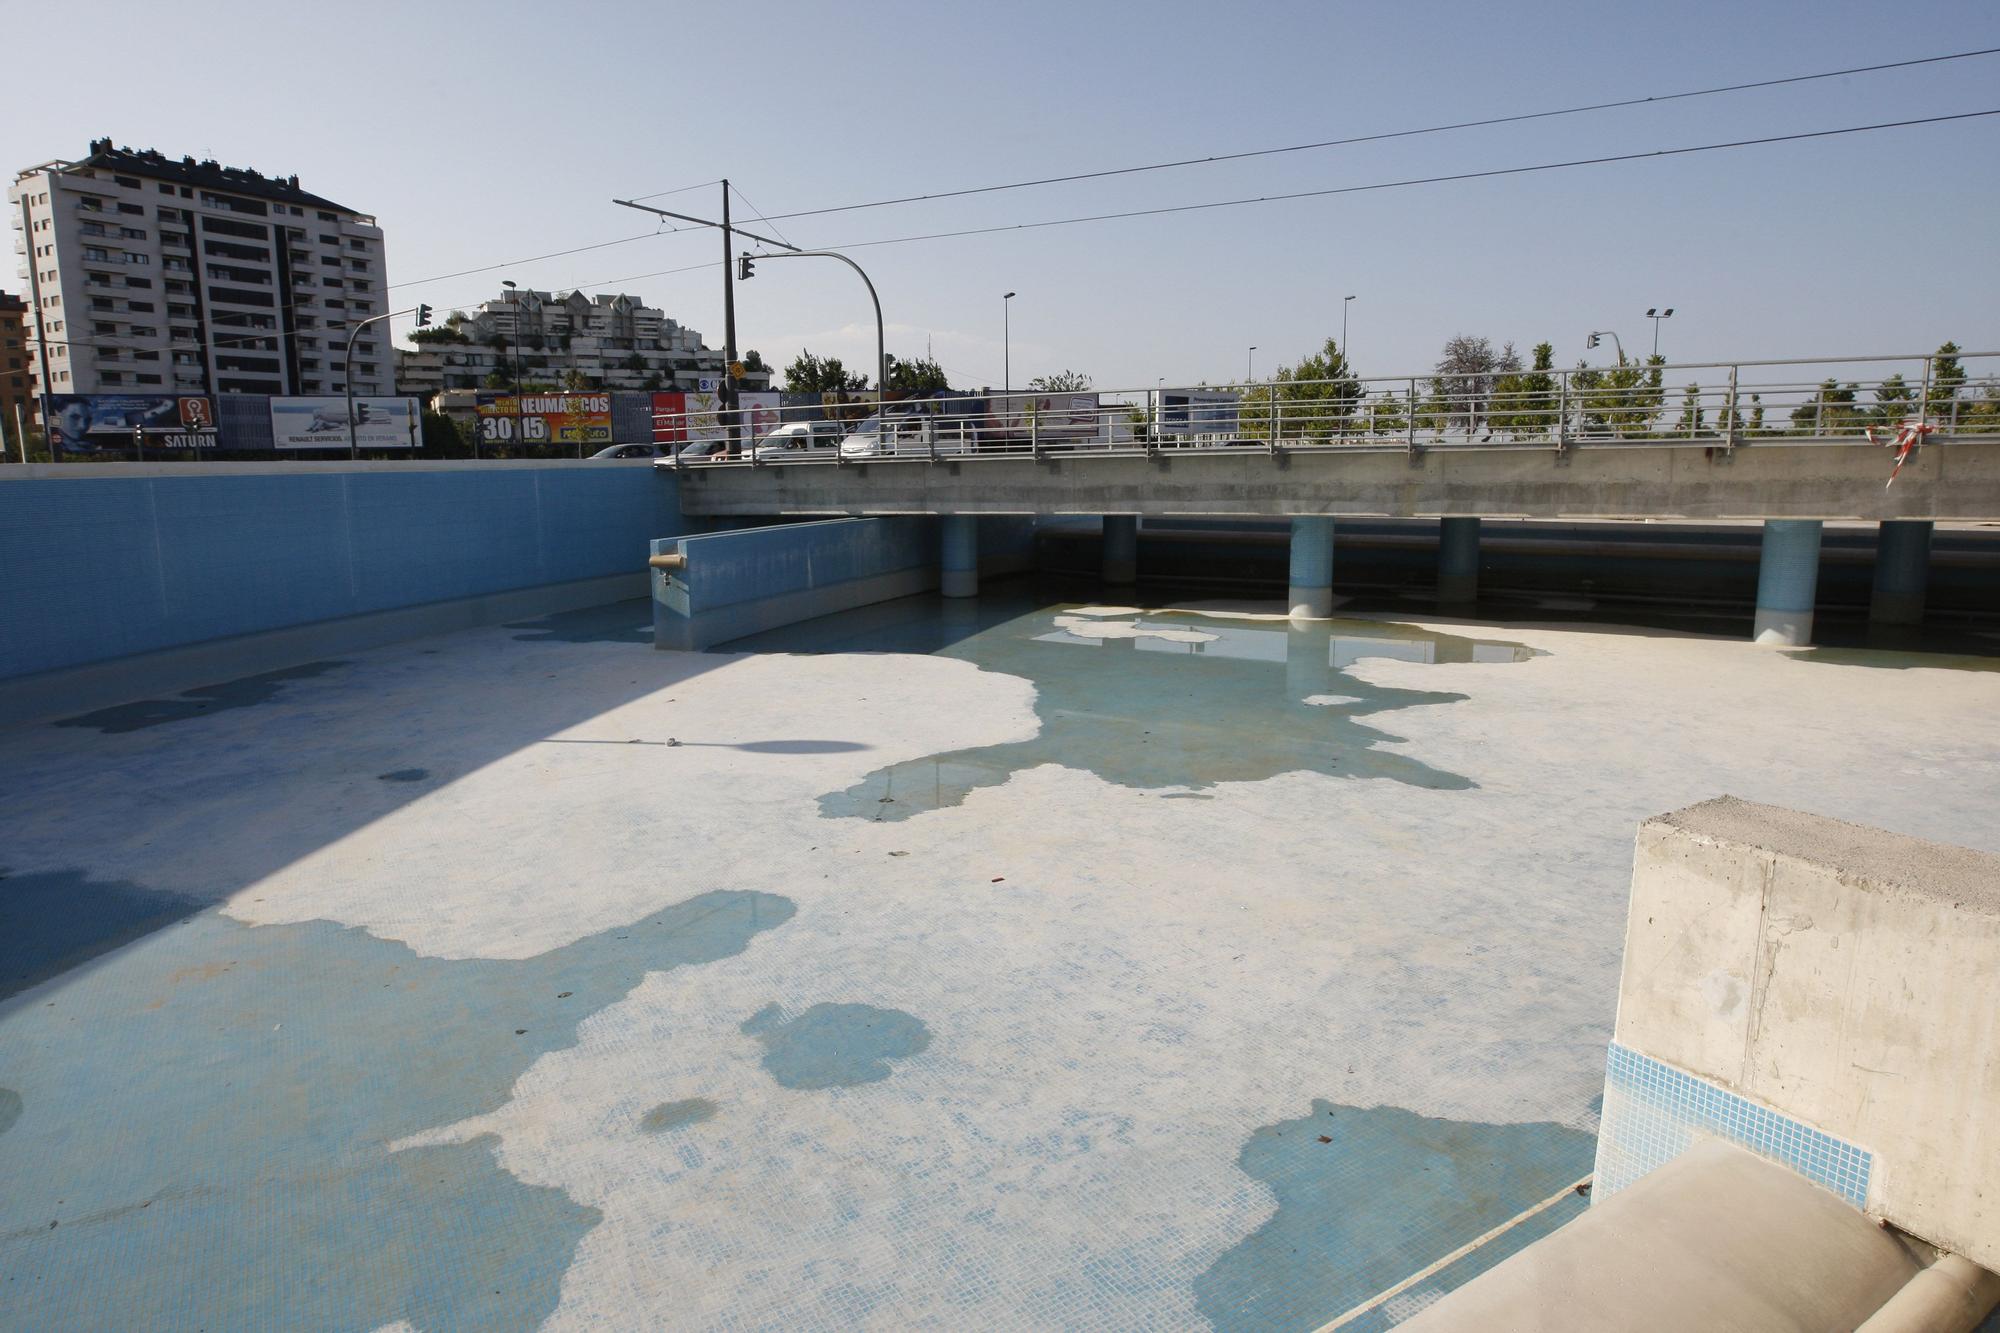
x=1793 y=484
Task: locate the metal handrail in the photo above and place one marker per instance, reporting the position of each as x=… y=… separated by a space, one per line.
x=1574 y=407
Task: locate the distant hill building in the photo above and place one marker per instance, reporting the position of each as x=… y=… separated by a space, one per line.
x=611 y=342
x=148 y=273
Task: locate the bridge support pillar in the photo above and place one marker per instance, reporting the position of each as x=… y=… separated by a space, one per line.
x=1121 y=548
x=1311 y=592
x=1902 y=569
x=958 y=562
x=1458 y=561
x=1787 y=580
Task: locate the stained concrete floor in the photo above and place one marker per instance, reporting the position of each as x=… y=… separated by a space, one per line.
x=1013 y=964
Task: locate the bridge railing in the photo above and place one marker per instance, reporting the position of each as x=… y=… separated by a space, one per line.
x=1706 y=404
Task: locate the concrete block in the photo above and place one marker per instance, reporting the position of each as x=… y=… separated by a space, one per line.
x=1717 y=1240
x=745 y=582
x=1846 y=977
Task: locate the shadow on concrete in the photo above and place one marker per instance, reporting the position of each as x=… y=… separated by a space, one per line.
x=203 y=701
x=261 y=771
x=52 y=921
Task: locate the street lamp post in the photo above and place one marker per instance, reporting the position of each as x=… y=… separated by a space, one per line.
x=1007 y=343
x=1656 y=315
x=1345 y=301
x=1599 y=335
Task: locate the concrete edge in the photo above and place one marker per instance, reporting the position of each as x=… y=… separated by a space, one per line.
x=1875 y=859
x=79 y=689
x=740 y=619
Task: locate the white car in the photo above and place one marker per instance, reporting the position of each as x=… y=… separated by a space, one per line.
x=910 y=436
x=800 y=441
x=635 y=451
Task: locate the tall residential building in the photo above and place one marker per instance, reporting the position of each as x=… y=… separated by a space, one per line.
x=14 y=379
x=613 y=342
x=155 y=274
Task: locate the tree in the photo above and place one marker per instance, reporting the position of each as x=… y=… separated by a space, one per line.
x=812 y=374
x=1693 y=419
x=1384 y=413
x=575 y=381
x=1463 y=385
x=497 y=379
x=1063 y=381
x=1322 y=389
x=443 y=438
x=1830 y=411
x=1893 y=398
x=1524 y=404
x=753 y=362
x=1947 y=378
x=916 y=376
x=1621 y=399
x=447 y=333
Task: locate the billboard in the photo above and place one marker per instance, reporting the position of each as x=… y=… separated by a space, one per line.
x=545 y=418
x=321 y=423
x=89 y=423
x=669 y=418
x=704 y=411
x=1065 y=418
x=1198 y=412
x=761 y=412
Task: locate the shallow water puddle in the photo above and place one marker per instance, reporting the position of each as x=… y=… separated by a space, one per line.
x=1152 y=701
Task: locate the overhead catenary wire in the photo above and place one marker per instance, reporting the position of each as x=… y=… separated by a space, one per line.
x=1521 y=117
x=1485 y=174
x=759 y=216
x=1385 y=135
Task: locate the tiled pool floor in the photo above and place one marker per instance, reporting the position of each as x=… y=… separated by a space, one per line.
x=1012 y=964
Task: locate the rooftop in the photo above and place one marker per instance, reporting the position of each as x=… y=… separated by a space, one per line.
x=206 y=173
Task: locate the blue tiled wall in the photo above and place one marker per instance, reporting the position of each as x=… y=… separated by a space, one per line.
x=1653 y=1112
x=102 y=567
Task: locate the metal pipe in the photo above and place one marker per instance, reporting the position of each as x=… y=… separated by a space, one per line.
x=1951 y=1296
x=672 y=560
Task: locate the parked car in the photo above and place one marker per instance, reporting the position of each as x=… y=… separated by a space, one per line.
x=704 y=449
x=635 y=451
x=799 y=441
x=913 y=434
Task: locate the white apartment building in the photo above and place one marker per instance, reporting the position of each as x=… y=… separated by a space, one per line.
x=613 y=342
x=166 y=275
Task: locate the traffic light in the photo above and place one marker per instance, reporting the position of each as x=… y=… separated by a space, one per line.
x=423 y=315
x=746 y=267
x=1593 y=339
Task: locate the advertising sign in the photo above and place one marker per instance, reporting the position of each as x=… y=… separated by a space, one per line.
x=321 y=423
x=670 y=418
x=1059 y=418
x=545 y=418
x=89 y=423
x=704 y=412
x=1198 y=412
x=761 y=412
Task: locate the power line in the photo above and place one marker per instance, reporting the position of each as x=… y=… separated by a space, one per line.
x=1389 y=134
x=1419 y=180
x=701 y=185
x=553 y=254
x=759 y=216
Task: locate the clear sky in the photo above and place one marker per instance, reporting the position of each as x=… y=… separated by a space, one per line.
x=486 y=133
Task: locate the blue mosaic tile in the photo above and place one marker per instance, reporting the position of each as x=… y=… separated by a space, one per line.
x=1654 y=1112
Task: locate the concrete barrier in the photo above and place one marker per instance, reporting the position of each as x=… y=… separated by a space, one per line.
x=738 y=583
x=124 y=579
x=1822 y=994
x=1632 y=480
